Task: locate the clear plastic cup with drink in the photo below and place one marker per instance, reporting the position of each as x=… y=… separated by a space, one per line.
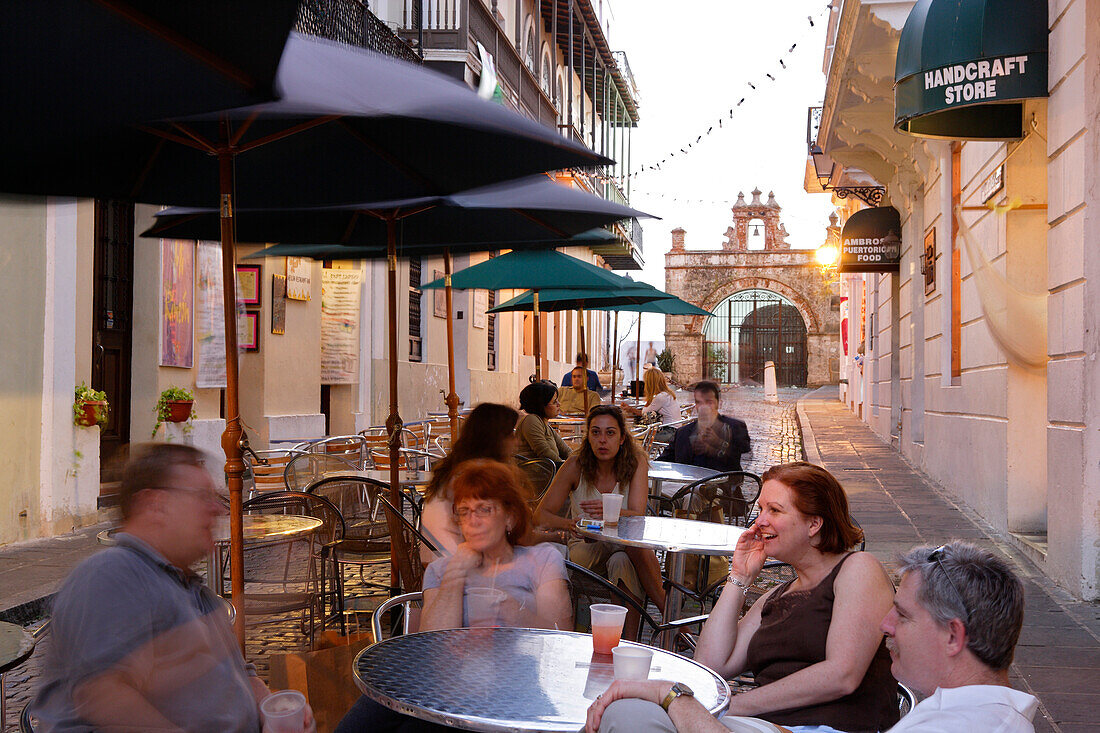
x=284 y=712
x=483 y=606
x=632 y=662
x=607 y=626
x=612 y=505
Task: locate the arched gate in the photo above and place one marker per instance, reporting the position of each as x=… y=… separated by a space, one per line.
x=752 y=327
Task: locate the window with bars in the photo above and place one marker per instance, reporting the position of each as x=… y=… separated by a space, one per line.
x=416 y=344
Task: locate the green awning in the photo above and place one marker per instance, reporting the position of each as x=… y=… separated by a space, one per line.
x=964 y=65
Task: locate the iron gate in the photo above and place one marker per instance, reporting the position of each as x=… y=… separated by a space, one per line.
x=750 y=328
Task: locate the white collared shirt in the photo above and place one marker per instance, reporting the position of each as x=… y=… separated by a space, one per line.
x=971 y=708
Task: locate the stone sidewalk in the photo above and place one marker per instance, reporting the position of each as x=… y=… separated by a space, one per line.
x=1058 y=656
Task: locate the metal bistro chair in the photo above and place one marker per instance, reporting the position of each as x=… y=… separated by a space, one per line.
x=351 y=448
x=305 y=468
x=587 y=587
x=266 y=469
x=540 y=472
x=408 y=605
x=296 y=574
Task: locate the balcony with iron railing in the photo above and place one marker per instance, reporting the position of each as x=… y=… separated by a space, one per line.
x=352 y=22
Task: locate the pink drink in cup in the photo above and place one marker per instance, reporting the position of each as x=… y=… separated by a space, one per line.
x=612 y=505
x=607 y=626
x=284 y=712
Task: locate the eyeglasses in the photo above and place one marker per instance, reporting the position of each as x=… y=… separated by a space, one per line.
x=935 y=557
x=481 y=512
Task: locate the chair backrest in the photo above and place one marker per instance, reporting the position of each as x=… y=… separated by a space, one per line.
x=540 y=472
x=410 y=605
x=907 y=700
x=305 y=468
x=267 y=467
x=586 y=588
x=416 y=434
x=365 y=508
x=352 y=448
x=725 y=497
x=439 y=434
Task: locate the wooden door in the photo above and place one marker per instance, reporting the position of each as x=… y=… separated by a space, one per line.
x=112 y=325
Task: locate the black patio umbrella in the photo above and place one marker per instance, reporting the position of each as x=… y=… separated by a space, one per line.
x=345 y=125
x=503 y=215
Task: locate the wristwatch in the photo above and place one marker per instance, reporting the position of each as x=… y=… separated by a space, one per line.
x=678 y=689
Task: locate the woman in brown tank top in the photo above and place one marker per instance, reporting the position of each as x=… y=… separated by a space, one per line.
x=814 y=643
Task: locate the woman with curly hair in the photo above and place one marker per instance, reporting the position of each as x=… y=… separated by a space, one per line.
x=608 y=462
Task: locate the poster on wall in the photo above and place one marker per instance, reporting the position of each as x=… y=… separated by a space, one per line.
x=248 y=285
x=481 y=304
x=339 y=326
x=439 y=298
x=278 y=304
x=298 y=278
x=210 y=317
x=177 y=267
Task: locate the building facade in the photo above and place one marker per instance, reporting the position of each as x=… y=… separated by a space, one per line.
x=768 y=303
x=91 y=302
x=977 y=358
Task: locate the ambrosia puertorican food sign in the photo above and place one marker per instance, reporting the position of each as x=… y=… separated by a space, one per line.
x=964 y=66
x=871 y=241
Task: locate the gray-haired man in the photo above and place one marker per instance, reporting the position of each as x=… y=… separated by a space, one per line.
x=951 y=634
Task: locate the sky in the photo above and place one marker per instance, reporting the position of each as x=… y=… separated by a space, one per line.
x=693 y=60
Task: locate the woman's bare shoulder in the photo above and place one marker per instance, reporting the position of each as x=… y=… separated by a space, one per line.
x=863 y=570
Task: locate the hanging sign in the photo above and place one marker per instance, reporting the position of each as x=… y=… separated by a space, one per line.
x=871 y=241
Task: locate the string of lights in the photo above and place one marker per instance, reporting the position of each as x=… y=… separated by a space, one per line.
x=719 y=124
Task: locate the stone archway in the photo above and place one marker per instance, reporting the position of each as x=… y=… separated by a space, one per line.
x=747 y=330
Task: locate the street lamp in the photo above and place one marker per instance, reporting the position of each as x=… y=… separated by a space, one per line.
x=827 y=256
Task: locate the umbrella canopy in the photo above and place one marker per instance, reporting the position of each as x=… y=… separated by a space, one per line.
x=533 y=208
x=347 y=125
x=591 y=238
x=566 y=300
x=84 y=67
x=536 y=270
x=668 y=304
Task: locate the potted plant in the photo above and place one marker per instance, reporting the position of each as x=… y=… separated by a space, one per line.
x=90 y=407
x=175 y=404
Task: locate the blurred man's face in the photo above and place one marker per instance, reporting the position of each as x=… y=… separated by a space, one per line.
x=580 y=378
x=706 y=406
x=191 y=506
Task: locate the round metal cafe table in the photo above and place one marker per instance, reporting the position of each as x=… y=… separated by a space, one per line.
x=505 y=679
x=16 y=645
x=678 y=538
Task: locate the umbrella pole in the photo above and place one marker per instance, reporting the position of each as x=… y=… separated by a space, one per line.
x=638 y=361
x=536 y=335
x=452 y=397
x=231 y=437
x=584 y=350
x=393 y=421
x=615 y=356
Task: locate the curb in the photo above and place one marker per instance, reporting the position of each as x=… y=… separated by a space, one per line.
x=810 y=453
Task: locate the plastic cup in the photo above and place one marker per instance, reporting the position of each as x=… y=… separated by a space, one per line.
x=284 y=712
x=612 y=505
x=607 y=626
x=632 y=662
x=483 y=606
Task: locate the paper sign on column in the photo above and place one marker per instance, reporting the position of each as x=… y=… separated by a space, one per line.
x=298 y=278
x=339 y=326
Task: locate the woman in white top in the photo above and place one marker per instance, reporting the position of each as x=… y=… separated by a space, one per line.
x=609 y=461
x=659 y=398
x=489 y=432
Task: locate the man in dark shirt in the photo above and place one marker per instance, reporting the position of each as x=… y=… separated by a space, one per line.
x=137 y=642
x=593 y=377
x=711 y=440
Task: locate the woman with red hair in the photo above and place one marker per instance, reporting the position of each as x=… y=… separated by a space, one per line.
x=527 y=585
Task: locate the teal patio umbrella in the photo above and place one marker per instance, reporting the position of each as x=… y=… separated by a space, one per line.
x=669 y=306
x=536 y=271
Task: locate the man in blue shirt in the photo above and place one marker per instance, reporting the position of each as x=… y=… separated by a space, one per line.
x=593 y=377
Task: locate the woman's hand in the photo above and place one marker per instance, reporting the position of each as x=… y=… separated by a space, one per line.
x=593 y=508
x=465 y=559
x=749 y=555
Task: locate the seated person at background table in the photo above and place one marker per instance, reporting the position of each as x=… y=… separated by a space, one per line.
x=711 y=440
x=951 y=633
x=488 y=432
x=137 y=642
x=659 y=399
x=530 y=581
x=592 y=379
x=609 y=461
x=576 y=399
x=537 y=437
x=813 y=644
